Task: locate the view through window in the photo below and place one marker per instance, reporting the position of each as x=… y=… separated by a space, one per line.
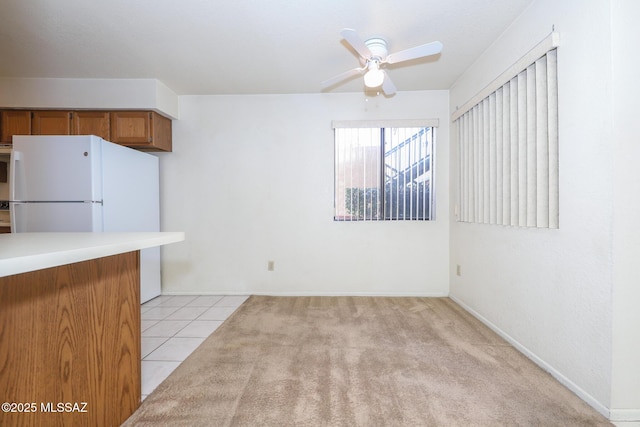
x=384 y=174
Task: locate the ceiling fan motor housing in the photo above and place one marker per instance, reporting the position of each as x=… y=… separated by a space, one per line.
x=378 y=47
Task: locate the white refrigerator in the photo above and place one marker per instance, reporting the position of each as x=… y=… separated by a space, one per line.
x=84 y=183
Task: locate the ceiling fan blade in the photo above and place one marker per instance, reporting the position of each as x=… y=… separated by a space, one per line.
x=415 y=52
x=356 y=42
x=340 y=77
x=387 y=85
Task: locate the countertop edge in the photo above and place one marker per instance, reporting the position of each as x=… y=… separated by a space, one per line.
x=25 y=252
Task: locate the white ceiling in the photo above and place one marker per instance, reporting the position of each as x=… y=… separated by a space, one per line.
x=243 y=46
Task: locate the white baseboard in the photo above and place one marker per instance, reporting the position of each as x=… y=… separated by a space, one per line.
x=314 y=294
x=625 y=415
x=190 y=293
x=590 y=400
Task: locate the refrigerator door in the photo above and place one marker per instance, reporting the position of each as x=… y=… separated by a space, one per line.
x=56 y=168
x=56 y=217
x=132 y=203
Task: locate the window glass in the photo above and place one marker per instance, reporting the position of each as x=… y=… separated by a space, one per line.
x=383 y=174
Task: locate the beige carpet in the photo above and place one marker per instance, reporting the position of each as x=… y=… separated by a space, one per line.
x=359 y=361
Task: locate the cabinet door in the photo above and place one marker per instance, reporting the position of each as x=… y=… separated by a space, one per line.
x=51 y=123
x=4 y=171
x=131 y=127
x=14 y=122
x=161 y=132
x=91 y=123
x=142 y=130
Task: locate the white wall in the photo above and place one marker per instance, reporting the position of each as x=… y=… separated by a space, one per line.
x=551 y=291
x=148 y=94
x=625 y=399
x=250 y=179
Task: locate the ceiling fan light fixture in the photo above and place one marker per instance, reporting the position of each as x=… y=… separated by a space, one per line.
x=372 y=54
x=374 y=76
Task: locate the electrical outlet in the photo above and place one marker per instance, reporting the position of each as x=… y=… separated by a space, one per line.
x=271 y=265
x=458 y=270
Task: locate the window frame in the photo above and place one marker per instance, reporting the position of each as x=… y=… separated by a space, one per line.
x=420 y=201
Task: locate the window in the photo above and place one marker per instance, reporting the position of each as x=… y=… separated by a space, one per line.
x=384 y=173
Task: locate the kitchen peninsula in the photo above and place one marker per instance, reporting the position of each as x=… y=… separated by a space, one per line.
x=70 y=326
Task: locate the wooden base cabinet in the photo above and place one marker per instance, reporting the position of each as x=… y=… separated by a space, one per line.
x=70 y=344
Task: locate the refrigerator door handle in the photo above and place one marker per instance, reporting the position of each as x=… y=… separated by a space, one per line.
x=13 y=216
x=15 y=160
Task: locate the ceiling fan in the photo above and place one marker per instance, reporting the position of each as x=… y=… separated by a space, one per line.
x=374 y=56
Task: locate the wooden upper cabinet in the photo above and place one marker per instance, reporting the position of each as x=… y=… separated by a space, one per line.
x=91 y=123
x=144 y=130
x=55 y=122
x=14 y=122
x=131 y=127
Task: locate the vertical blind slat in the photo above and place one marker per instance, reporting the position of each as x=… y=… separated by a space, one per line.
x=506 y=157
x=508 y=152
x=462 y=177
x=476 y=167
x=542 y=159
x=499 y=157
x=531 y=174
x=485 y=161
x=468 y=201
x=513 y=117
x=492 y=165
x=481 y=145
x=552 y=99
x=522 y=149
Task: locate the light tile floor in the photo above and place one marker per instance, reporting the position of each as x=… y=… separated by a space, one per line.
x=175 y=325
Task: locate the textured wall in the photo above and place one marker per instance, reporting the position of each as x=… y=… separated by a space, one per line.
x=625 y=400
x=251 y=180
x=550 y=291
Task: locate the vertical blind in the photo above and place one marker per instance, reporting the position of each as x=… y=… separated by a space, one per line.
x=508 y=151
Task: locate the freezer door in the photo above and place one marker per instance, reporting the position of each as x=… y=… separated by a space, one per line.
x=56 y=168
x=55 y=217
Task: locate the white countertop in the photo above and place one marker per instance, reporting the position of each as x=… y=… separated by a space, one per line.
x=23 y=252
